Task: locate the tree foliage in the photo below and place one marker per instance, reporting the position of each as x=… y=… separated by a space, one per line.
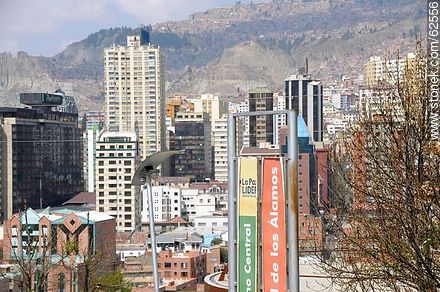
x=112 y=282
x=387 y=183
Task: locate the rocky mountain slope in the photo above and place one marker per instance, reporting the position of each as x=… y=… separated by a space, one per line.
x=232 y=49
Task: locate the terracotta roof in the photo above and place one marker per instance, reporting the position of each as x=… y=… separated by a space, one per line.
x=82 y=198
x=178 y=220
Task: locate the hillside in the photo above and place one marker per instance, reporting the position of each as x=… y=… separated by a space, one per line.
x=233 y=48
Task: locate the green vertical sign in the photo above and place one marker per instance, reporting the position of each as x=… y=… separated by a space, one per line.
x=247 y=225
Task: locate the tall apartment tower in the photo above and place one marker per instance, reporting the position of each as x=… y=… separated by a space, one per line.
x=135 y=91
x=378 y=69
x=304 y=95
x=116 y=161
x=40 y=154
x=261 y=127
x=220 y=148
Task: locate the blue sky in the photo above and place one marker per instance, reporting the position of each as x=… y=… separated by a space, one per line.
x=46 y=27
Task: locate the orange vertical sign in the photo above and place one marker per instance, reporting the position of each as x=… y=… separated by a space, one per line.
x=273 y=227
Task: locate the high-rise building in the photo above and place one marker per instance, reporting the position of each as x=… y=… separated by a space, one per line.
x=93 y=123
x=379 y=69
x=40 y=154
x=220 y=144
x=280 y=120
x=304 y=95
x=261 y=127
x=192 y=134
x=117 y=157
x=134 y=87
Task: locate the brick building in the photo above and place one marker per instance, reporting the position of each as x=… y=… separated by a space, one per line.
x=66 y=240
x=182 y=265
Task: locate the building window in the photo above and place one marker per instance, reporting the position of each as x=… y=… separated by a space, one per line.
x=167 y=265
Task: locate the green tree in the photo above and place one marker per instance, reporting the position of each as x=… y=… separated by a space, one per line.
x=112 y=282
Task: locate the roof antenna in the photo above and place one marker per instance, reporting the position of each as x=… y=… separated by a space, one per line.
x=307 y=67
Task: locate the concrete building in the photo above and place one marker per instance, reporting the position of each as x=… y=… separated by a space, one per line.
x=52 y=233
x=90 y=137
x=379 y=69
x=217 y=189
x=208 y=103
x=304 y=95
x=134 y=88
x=181 y=239
x=131 y=244
x=242 y=123
x=211 y=221
x=40 y=155
x=178 y=265
x=198 y=204
x=172 y=181
x=193 y=134
x=261 y=128
x=220 y=144
x=117 y=157
x=167 y=202
x=279 y=120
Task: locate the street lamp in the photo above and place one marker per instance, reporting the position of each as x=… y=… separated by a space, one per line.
x=142 y=176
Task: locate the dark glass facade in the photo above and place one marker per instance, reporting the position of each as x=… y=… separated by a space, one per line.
x=195 y=137
x=41 y=158
x=307 y=102
x=260 y=127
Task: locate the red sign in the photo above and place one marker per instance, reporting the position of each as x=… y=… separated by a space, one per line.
x=273 y=227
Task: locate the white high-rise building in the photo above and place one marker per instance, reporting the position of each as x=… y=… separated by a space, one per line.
x=116 y=161
x=379 y=69
x=90 y=136
x=220 y=143
x=135 y=91
x=167 y=202
x=243 y=126
x=279 y=120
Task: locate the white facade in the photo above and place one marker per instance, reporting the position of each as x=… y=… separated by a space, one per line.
x=167 y=202
x=380 y=69
x=211 y=221
x=336 y=127
x=116 y=161
x=279 y=120
x=208 y=103
x=134 y=88
x=243 y=123
x=90 y=137
x=196 y=204
x=220 y=143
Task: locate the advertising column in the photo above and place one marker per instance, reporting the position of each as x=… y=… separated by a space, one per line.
x=247 y=225
x=273 y=227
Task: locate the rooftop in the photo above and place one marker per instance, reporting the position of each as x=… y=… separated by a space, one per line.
x=82 y=198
